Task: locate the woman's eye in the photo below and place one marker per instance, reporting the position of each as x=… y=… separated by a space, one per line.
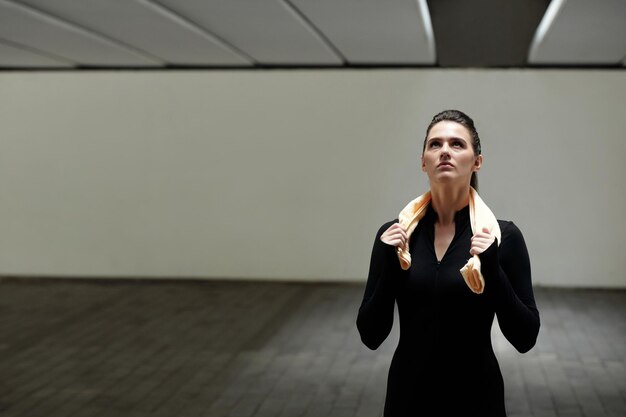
x=434 y=144
x=457 y=144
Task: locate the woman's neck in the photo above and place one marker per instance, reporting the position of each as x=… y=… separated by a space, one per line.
x=447 y=200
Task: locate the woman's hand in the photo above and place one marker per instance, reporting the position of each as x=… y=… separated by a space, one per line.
x=395 y=235
x=481 y=241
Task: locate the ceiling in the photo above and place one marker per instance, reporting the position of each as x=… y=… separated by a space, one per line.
x=153 y=34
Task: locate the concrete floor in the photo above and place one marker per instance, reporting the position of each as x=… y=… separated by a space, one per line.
x=130 y=348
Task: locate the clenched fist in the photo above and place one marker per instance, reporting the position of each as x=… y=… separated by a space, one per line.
x=395 y=235
x=481 y=241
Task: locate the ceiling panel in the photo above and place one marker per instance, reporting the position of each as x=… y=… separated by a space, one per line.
x=375 y=31
x=484 y=33
x=145 y=26
x=22 y=25
x=583 y=32
x=269 y=31
x=302 y=33
x=17 y=56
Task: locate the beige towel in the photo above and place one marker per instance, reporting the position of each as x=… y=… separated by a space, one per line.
x=480 y=216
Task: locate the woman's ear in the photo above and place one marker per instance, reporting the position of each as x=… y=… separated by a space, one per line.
x=423 y=165
x=478 y=163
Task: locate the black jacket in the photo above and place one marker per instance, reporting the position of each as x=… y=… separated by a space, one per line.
x=444 y=364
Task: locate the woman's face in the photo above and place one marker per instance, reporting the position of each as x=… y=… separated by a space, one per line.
x=449 y=155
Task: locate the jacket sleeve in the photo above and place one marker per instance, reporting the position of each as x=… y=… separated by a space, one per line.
x=506 y=269
x=375 y=318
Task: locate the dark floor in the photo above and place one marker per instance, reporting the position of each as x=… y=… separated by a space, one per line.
x=107 y=348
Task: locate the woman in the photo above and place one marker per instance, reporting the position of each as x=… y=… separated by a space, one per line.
x=444 y=364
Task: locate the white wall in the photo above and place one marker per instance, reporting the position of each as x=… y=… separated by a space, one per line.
x=288 y=174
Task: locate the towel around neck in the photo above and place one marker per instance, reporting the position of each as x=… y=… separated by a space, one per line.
x=480 y=216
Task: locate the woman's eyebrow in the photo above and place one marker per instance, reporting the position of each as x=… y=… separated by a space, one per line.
x=449 y=138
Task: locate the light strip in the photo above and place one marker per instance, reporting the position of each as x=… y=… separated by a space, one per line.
x=548 y=19
x=428 y=28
